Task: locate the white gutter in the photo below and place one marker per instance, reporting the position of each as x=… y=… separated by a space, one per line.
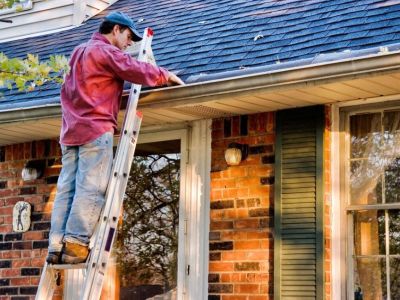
x=250 y=83
x=281 y=79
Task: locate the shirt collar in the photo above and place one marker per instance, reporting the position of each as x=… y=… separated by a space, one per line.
x=97 y=36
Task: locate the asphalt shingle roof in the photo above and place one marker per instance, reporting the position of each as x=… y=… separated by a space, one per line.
x=211 y=36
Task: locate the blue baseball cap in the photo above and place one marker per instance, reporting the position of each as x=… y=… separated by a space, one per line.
x=122 y=19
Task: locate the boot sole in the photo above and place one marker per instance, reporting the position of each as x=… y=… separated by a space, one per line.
x=66 y=259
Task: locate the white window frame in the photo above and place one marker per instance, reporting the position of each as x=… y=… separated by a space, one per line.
x=342 y=219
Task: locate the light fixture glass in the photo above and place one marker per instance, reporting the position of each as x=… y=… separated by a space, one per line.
x=233 y=156
x=236 y=153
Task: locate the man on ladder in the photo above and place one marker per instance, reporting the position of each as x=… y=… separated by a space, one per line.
x=90 y=101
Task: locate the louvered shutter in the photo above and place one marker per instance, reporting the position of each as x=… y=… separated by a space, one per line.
x=298 y=214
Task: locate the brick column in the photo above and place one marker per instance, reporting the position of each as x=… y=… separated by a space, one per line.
x=241 y=245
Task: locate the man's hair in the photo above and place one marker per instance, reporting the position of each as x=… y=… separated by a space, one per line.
x=107 y=26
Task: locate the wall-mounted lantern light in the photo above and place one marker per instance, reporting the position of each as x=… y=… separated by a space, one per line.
x=33 y=169
x=236 y=153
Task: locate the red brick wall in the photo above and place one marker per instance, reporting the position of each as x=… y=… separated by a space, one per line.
x=22 y=254
x=241 y=245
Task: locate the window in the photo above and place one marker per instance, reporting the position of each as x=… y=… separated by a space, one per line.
x=14 y=6
x=373 y=205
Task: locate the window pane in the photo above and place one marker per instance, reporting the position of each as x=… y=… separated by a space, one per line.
x=363 y=129
x=369 y=232
x=395 y=278
x=369 y=279
x=392 y=182
x=394 y=232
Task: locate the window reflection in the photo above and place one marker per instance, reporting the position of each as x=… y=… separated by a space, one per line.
x=147 y=243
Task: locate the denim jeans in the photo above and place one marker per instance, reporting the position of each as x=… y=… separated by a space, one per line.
x=81 y=189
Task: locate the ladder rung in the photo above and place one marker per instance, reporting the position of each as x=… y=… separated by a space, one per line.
x=67 y=266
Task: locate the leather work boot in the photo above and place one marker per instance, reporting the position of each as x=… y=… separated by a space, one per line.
x=53 y=258
x=74 y=253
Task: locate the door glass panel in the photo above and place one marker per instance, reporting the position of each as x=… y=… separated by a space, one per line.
x=147 y=243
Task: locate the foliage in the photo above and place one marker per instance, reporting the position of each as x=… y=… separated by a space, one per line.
x=28 y=73
x=10 y=3
x=148 y=238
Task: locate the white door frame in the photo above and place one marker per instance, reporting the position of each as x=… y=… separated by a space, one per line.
x=194 y=212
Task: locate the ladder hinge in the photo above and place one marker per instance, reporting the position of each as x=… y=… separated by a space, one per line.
x=188 y=270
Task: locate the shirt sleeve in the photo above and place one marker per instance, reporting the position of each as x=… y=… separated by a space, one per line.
x=132 y=70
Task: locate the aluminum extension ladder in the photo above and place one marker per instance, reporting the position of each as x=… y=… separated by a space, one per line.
x=96 y=265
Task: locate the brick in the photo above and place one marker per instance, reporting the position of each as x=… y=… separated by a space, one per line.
x=221 y=225
x=249 y=223
x=30 y=271
x=52 y=180
x=12 y=254
x=28 y=290
x=247 y=266
x=9 y=291
x=234 y=297
x=220 y=288
x=40 y=244
x=4 y=282
x=28 y=190
x=227 y=127
x=22 y=245
x=13 y=237
x=32 y=235
x=259 y=212
x=12 y=200
x=214 y=297
x=247 y=245
x=213 y=278
x=213 y=236
x=267 y=222
x=5 y=264
x=18 y=263
x=3 y=184
x=215 y=256
x=5 y=246
x=20 y=298
x=267 y=180
x=221 y=246
x=222 y=204
x=20 y=281
x=247 y=288
x=4 y=273
x=268 y=159
x=8 y=210
x=221 y=266
x=41 y=226
x=260 y=149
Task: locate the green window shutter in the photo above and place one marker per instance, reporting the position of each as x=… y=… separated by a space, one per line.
x=298 y=213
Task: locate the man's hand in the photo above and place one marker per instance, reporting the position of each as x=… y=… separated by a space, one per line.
x=174 y=80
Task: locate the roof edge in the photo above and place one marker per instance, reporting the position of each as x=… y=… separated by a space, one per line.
x=312 y=74
x=195 y=93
